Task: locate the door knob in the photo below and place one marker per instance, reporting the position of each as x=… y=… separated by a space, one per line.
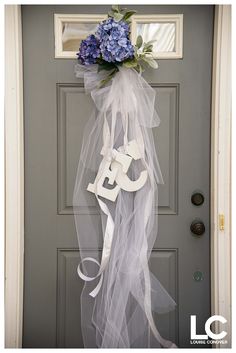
x=197 y=227
x=197 y=198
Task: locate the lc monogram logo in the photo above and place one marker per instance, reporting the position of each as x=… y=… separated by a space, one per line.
x=115 y=170
x=208 y=331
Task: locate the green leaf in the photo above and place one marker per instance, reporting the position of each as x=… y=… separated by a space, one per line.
x=105 y=81
x=123 y=10
x=128 y=14
x=117 y=16
x=115 y=8
x=105 y=66
x=141 y=55
x=139 y=68
x=151 y=42
x=151 y=62
x=131 y=63
x=148 y=48
x=111 y=14
x=139 y=41
x=108 y=78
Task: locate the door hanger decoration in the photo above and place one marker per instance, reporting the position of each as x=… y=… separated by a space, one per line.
x=119 y=171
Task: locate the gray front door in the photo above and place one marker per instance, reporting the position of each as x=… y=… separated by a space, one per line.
x=55 y=112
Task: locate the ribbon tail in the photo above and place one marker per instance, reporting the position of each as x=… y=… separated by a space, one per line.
x=108 y=237
x=96 y=290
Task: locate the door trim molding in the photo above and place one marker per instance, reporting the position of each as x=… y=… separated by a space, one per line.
x=14 y=178
x=221 y=171
x=14 y=173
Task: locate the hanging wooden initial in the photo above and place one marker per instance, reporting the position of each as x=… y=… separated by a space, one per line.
x=116 y=170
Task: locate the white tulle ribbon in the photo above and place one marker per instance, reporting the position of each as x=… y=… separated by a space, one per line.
x=147 y=294
x=107 y=151
x=114 y=96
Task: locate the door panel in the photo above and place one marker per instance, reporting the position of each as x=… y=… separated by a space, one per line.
x=69 y=288
x=74 y=108
x=56 y=110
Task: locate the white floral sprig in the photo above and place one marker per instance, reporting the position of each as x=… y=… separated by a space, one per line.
x=143 y=56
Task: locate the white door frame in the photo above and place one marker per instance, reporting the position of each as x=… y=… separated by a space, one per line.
x=14 y=178
x=14 y=174
x=221 y=171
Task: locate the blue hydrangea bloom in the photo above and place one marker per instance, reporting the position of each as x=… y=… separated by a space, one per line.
x=114 y=40
x=89 y=50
